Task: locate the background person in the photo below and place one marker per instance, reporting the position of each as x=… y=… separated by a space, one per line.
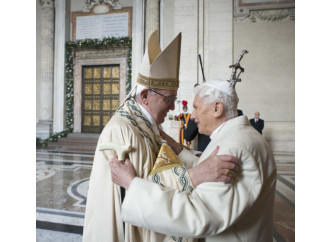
x=257 y=122
x=191 y=132
x=184 y=117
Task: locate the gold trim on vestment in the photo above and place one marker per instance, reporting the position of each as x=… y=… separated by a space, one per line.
x=158 y=83
x=166 y=159
x=169 y=172
x=164 y=167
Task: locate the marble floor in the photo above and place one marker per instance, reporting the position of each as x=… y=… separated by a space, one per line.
x=62 y=183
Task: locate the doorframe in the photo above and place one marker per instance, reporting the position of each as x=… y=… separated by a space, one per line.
x=77 y=85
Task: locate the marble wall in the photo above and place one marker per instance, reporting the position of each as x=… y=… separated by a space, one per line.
x=268 y=83
x=210 y=29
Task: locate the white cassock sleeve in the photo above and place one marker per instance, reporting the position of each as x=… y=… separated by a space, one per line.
x=188 y=158
x=210 y=209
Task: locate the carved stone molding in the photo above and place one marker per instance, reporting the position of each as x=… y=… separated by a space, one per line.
x=47 y=3
x=101 y=6
x=268 y=16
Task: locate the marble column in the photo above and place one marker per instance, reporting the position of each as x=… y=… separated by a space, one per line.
x=137 y=38
x=45 y=122
x=218 y=38
x=61 y=35
x=152 y=17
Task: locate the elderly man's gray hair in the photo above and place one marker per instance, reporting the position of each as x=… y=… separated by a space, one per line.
x=209 y=95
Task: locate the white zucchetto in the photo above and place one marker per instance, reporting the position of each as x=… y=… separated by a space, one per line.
x=221 y=85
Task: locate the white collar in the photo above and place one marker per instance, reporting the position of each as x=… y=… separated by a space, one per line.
x=217 y=130
x=150 y=119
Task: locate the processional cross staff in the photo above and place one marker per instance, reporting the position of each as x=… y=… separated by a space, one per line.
x=237 y=66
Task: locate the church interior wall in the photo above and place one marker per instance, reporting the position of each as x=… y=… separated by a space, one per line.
x=268 y=83
x=209 y=29
x=204 y=34
x=38 y=57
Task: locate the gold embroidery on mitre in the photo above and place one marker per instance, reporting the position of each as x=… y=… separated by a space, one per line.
x=166 y=159
x=158 y=83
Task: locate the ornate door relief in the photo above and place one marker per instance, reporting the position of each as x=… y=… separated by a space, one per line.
x=100 y=96
x=111 y=57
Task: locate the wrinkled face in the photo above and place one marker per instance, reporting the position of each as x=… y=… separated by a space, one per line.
x=256 y=115
x=202 y=115
x=160 y=102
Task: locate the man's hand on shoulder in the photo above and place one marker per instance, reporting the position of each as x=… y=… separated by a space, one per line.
x=215 y=168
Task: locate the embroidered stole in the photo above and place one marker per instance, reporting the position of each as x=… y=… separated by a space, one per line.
x=131 y=112
x=169 y=171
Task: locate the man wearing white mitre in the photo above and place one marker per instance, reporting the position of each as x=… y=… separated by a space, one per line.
x=136 y=123
x=215 y=211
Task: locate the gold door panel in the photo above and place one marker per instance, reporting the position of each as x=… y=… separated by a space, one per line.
x=100 y=96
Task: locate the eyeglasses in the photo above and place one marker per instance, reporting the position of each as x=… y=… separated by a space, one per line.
x=168 y=99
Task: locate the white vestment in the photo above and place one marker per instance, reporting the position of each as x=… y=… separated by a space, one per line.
x=241 y=211
x=103 y=221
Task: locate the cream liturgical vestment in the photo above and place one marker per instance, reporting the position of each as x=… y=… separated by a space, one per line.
x=129 y=126
x=170 y=172
x=241 y=211
x=103 y=221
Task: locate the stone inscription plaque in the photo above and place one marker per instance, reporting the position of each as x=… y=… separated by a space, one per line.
x=101 y=26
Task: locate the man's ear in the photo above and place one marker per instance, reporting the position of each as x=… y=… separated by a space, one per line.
x=144 y=96
x=218 y=109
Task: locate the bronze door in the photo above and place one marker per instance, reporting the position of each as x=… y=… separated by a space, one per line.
x=100 y=96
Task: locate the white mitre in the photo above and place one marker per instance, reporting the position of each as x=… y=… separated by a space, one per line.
x=160 y=69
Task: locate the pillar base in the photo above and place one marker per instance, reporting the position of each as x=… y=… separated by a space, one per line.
x=44 y=129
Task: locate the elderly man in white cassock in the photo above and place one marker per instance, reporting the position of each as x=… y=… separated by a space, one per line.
x=215 y=211
x=135 y=126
